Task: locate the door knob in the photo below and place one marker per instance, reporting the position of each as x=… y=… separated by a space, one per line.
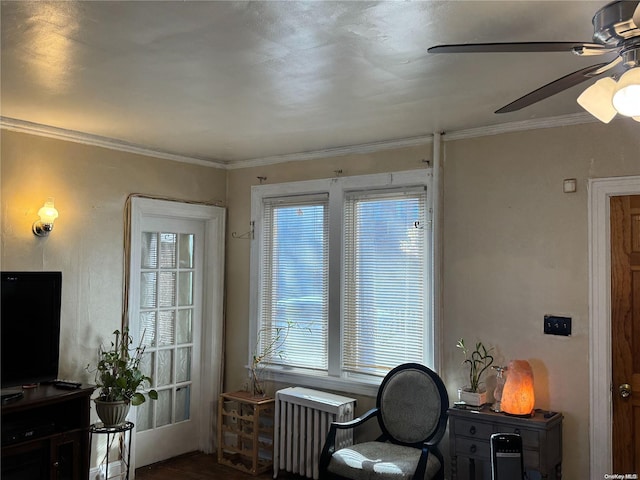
x=625 y=390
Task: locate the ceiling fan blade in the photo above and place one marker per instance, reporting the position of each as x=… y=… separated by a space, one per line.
x=554 y=87
x=517 y=47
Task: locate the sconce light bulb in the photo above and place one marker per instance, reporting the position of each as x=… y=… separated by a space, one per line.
x=47 y=214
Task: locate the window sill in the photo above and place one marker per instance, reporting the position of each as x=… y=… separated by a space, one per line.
x=322 y=381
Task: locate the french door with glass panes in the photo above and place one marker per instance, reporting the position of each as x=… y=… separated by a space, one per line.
x=166 y=314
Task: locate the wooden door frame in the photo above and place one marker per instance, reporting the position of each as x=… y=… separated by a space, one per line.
x=214 y=219
x=599 y=229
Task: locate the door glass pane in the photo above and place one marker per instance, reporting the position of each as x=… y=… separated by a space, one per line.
x=183 y=327
x=168 y=250
x=167 y=318
x=166 y=327
x=165 y=367
x=144 y=416
x=149 y=257
x=148 y=328
x=167 y=291
x=183 y=400
x=148 y=282
x=146 y=366
x=186 y=250
x=163 y=408
x=185 y=286
x=183 y=365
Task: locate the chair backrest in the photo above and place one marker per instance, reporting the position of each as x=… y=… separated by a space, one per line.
x=412 y=402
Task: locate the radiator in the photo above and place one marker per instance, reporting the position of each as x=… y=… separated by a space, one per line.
x=302 y=420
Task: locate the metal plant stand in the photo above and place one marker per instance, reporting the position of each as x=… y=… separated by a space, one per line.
x=112 y=432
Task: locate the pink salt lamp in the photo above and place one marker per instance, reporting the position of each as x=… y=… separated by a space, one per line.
x=518 y=397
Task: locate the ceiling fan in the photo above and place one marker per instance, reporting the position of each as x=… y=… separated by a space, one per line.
x=616 y=30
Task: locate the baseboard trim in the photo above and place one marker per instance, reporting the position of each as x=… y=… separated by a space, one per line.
x=117 y=470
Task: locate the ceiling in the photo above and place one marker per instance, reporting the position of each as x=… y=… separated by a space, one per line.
x=229 y=81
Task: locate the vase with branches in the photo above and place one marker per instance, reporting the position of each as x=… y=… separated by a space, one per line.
x=266 y=350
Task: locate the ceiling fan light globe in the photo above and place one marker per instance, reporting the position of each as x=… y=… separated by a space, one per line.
x=626 y=99
x=597 y=99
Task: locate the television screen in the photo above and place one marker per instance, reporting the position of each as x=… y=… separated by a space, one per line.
x=30 y=320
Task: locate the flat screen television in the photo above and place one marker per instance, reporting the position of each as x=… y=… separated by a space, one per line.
x=30 y=320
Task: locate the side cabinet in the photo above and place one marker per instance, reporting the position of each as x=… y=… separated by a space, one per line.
x=470 y=433
x=45 y=434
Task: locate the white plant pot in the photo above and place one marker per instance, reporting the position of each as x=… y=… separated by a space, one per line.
x=472 y=398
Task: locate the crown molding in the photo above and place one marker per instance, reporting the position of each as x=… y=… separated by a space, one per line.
x=534 y=124
x=113 y=144
x=361 y=149
x=551 y=122
x=23 y=126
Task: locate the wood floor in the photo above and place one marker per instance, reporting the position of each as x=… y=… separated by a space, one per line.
x=199 y=466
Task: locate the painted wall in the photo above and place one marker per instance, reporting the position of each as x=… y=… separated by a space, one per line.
x=90 y=186
x=515 y=249
x=515 y=246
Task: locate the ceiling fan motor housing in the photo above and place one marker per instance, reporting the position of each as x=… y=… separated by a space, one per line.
x=613 y=24
x=631 y=56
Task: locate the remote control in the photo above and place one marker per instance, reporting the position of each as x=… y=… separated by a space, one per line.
x=66 y=384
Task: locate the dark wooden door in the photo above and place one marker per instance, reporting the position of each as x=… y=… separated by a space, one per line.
x=625 y=332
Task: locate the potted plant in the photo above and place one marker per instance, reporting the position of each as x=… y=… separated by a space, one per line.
x=477 y=360
x=119 y=379
x=262 y=353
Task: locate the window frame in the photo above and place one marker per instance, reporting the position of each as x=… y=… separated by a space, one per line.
x=337 y=188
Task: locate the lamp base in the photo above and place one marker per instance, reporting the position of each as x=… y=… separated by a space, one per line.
x=520 y=415
x=42 y=229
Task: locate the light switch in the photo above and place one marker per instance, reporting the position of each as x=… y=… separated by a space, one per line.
x=554 y=325
x=569 y=185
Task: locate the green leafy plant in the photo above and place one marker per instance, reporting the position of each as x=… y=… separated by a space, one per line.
x=478 y=360
x=118 y=375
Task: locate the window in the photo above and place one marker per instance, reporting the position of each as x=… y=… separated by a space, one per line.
x=341 y=278
x=293 y=300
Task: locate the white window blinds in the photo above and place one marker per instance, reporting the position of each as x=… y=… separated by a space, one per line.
x=293 y=308
x=341 y=285
x=385 y=276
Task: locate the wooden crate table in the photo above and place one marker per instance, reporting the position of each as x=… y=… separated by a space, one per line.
x=245 y=432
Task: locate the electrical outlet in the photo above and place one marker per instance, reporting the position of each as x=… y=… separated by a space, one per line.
x=554 y=325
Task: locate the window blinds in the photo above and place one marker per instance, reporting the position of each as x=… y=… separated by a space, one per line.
x=384 y=280
x=294 y=278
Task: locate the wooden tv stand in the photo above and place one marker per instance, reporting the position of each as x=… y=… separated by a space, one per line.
x=45 y=434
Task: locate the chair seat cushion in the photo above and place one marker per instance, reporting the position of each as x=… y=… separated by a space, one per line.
x=379 y=460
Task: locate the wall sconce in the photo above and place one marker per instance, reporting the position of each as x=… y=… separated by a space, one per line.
x=47 y=214
x=517 y=396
